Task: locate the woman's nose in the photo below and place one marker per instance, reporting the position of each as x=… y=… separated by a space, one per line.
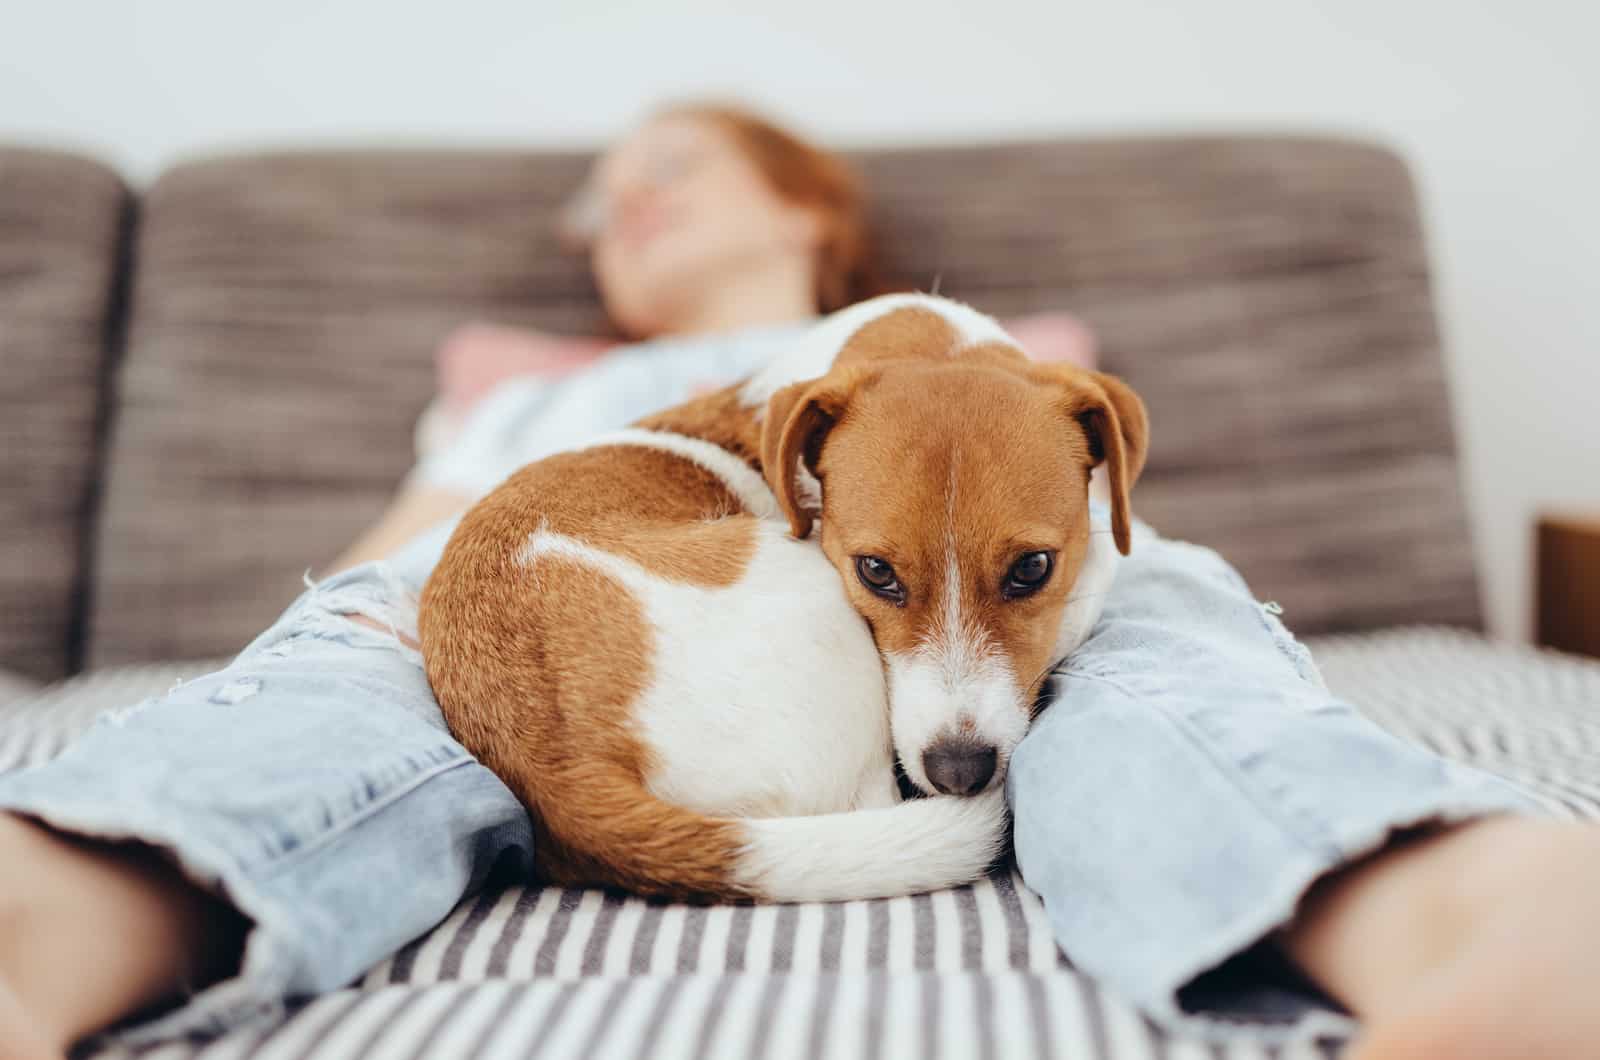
x=630 y=202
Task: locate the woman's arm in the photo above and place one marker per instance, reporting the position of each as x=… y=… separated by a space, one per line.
x=472 y=361
x=415 y=508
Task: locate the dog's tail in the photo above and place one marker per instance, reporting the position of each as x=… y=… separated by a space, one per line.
x=618 y=832
x=912 y=846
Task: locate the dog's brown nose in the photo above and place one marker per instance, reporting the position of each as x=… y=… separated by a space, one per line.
x=958 y=766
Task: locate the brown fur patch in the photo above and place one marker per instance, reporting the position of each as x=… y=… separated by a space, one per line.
x=663 y=512
x=908 y=333
x=719 y=417
x=799 y=415
x=999 y=354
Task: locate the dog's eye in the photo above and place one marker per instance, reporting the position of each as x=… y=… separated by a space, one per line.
x=876 y=574
x=1027 y=575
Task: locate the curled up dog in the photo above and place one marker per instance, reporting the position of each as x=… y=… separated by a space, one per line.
x=696 y=649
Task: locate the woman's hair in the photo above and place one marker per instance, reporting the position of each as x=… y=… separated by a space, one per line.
x=808 y=176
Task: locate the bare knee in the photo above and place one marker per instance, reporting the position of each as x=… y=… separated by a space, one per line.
x=383 y=627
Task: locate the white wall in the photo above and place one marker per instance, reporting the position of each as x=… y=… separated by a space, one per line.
x=1494 y=102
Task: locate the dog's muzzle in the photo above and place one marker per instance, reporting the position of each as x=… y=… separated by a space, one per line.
x=958 y=765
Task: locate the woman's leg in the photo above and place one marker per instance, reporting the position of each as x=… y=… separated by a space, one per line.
x=1472 y=944
x=1193 y=779
x=272 y=829
x=92 y=931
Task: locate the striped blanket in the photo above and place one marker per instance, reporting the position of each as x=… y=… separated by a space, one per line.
x=554 y=972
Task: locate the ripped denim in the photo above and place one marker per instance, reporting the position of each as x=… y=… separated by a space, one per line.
x=312 y=782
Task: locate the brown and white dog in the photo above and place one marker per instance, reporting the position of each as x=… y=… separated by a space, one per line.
x=694 y=700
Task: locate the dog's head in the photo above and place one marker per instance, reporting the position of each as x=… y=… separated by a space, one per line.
x=956 y=480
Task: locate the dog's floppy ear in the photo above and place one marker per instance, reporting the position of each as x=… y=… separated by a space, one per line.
x=1114 y=421
x=798 y=419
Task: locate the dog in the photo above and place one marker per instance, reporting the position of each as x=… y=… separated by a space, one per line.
x=644 y=640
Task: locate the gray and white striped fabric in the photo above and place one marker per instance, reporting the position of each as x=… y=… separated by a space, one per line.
x=553 y=972
x=34 y=728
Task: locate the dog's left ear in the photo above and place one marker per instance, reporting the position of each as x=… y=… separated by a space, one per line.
x=1114 y=421
x=797 y=421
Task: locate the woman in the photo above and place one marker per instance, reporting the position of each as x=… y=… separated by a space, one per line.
x=1193 y=783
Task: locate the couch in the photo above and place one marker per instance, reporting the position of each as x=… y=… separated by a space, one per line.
x=209 y=385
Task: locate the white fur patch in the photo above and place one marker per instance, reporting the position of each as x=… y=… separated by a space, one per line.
x=729 y=734
x=944 y=689
x=814 y=354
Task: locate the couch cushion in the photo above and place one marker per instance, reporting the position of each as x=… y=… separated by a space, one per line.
x=62 y=225
x=1268 y=296
x=284 y=320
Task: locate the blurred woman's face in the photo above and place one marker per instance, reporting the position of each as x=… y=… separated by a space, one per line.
x=676 y=206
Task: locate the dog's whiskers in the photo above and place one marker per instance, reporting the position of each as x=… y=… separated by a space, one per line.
x=1040 y=678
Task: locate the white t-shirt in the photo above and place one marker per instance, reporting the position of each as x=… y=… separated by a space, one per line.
x=528 y=418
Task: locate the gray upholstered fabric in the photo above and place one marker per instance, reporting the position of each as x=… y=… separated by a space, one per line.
x=61 y=225
x=1268 y=296
x=284 y=319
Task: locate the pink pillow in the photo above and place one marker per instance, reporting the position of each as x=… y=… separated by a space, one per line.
x=476 y=357
x=1055 y=337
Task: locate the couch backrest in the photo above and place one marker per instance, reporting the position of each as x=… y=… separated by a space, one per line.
x=63 y=221
x=1269 y=297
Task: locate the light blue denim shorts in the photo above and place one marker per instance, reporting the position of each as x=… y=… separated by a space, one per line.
x=1189 y=783
x=312 y=782
x=1192 y=779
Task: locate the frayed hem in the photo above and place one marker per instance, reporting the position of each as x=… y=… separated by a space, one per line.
x=254 y=993
x=1277 y=913
x=389 y=600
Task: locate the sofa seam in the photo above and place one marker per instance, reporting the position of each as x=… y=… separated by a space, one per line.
x=115 y=329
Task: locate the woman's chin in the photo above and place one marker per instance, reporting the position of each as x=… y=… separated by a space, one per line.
x=665 y=291
x=655 y=309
